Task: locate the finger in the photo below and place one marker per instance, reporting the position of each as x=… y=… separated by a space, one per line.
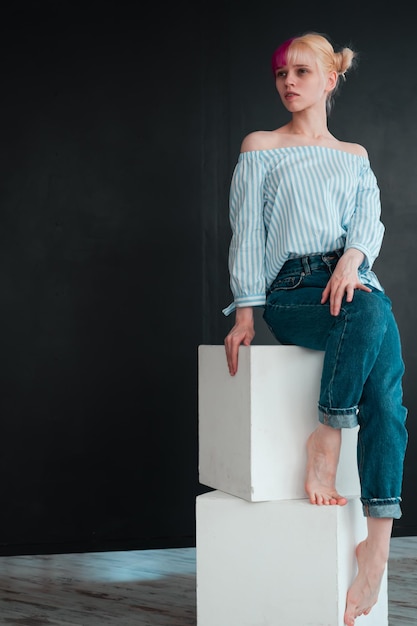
x=232 y=349
x=363 y=288
x=349 y=294
x=325 y=294
x=234 y=360
x=227 y=346
x=335 y=309
x=336 y=301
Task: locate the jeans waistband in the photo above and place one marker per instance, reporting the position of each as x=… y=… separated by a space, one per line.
x=311 y=262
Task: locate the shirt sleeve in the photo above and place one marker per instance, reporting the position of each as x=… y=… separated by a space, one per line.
x=247 y=246
x=365 y=230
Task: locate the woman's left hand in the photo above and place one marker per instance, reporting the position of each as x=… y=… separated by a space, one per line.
x=344 y=280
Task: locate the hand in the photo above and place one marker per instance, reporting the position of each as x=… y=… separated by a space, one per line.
x=242 y=333
x=344 y=280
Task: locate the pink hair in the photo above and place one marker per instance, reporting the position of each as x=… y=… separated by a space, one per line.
x=279 y=58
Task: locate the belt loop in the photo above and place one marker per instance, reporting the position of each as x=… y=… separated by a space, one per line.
x=306 y=265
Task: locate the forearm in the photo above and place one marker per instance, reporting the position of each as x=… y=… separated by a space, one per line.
x=244 y=316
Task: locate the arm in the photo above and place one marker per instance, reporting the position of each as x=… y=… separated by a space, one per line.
x=363 y=242
x=246 y=253
x=247 y=245
x=242 y=332
x=364 y=230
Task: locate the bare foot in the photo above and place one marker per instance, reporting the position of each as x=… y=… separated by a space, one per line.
x=363 y=593
x=323 y=449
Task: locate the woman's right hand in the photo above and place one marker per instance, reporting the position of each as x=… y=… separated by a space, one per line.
x=242 y=333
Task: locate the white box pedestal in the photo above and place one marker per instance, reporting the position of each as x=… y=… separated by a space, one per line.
x=253 y=427
x=278 y=563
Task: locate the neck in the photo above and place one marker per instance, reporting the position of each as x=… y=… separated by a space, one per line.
x=306 y=129
x=311 y=123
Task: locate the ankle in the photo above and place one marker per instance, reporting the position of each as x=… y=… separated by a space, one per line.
x=375 y=553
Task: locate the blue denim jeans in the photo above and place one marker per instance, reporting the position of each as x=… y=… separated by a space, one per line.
x=362 y=370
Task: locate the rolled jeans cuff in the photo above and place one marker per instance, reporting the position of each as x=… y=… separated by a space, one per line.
x=382 y=507
x=338 y=418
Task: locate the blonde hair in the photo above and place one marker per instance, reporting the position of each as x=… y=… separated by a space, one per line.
x=328 y=59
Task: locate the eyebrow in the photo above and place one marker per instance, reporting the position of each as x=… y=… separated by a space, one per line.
x=279 y=67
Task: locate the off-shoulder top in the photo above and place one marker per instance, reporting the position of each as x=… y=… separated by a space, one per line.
x=295 y=201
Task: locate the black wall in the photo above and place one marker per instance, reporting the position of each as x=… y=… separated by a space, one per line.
x=119 y=131
x=100 y=276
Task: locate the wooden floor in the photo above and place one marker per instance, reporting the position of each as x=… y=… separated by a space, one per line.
x=147 y=587
x=402 y=582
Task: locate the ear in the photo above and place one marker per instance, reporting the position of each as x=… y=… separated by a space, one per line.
x=331 y=81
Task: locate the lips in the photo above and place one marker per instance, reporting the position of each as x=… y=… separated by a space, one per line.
x=291 y=94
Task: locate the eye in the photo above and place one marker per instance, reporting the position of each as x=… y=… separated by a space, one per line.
x=280 y=74
x=303 y=70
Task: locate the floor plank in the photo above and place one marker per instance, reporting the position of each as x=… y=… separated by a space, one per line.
x=144 y=588
x=402 y=582
x=151 y=587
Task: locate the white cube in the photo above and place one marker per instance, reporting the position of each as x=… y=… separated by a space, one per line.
x=253 y=427
x=277 y=563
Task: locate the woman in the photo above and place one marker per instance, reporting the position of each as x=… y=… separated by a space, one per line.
x=306 y=230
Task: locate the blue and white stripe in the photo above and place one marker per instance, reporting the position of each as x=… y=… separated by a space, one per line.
x=289 y=202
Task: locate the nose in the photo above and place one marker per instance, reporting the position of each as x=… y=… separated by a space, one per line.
x=289 y=79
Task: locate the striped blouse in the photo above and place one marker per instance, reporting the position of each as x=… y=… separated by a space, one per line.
x=289 y=202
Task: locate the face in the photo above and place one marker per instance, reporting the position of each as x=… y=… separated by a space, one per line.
x=302 y=84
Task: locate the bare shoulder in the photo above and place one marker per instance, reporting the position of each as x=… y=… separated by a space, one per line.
x=258 y=140
x=282 y=138
x=354 y=148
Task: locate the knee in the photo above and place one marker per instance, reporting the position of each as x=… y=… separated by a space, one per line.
x=373 y=308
